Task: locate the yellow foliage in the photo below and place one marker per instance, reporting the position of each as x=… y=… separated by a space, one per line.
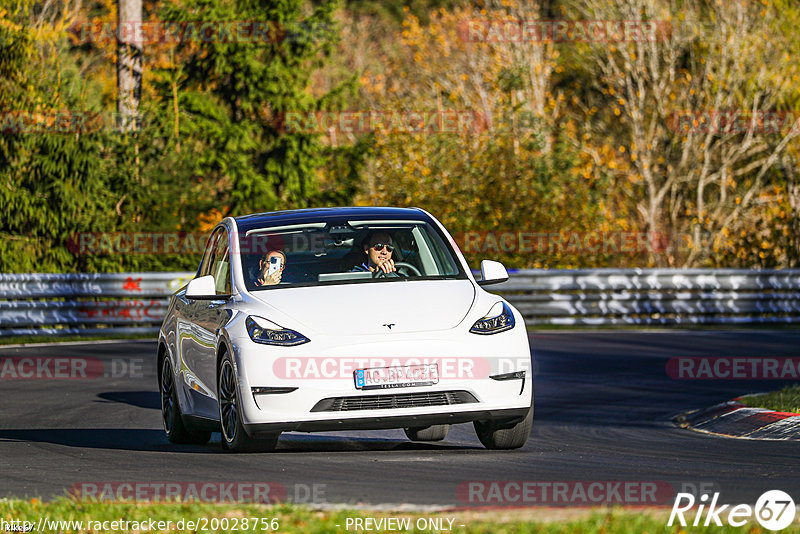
x=207 y=221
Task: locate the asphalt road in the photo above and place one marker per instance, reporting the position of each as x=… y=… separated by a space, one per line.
x=603 y=407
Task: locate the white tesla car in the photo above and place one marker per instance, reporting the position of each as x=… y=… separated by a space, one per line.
x=341 y=319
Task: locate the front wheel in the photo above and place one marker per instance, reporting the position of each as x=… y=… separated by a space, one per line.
x=500 y=435
x=234 y=436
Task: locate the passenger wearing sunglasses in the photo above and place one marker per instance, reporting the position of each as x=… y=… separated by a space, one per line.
x=378 y=248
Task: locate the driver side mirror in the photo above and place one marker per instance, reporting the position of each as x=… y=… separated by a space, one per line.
x=492 y=272
x=202 y=288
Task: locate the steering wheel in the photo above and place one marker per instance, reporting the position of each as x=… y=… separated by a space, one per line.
x=397 y=264
x=408 y=266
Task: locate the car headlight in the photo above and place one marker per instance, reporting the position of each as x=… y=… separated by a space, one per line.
x=268 y=333
x=499 y=319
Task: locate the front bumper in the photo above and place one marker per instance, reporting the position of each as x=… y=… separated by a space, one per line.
x=511 y=415
x=302 y=405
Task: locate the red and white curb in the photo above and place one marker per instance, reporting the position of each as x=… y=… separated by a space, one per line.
x=735 y=420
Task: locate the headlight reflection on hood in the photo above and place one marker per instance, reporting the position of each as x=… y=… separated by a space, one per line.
x=499 y=319
x=268 y=333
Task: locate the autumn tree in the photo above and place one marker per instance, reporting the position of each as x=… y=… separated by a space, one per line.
x=517 y=168
x=688 y=106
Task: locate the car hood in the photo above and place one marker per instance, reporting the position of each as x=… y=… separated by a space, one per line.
x=357 y=309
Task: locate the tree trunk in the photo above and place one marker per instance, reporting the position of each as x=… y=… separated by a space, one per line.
x=129 y=63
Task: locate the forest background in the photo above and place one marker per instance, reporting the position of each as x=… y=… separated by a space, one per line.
x=677 y=148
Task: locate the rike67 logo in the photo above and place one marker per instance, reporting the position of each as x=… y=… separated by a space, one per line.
x=774 y=510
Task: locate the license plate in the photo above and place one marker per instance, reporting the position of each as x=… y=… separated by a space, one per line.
x=397 y=377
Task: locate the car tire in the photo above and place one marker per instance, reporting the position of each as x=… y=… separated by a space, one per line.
x=427 y=433
x=171 y=417
x=234 y=435
x=502 y=435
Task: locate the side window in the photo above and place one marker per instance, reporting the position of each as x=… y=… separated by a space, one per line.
x=221 y=265
x=208 y=254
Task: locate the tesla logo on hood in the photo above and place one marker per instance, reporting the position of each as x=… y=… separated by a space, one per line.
x=389 y=325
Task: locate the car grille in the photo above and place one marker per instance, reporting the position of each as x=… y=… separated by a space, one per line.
x=388 y=402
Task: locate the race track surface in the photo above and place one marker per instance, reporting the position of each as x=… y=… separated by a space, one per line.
x=602 y=413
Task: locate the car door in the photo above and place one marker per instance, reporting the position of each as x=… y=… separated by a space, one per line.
x=189 y=343
x=209 y=317
x=197 y=343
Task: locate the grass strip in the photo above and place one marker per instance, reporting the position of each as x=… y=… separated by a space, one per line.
x=300 y=519
x=782 y=400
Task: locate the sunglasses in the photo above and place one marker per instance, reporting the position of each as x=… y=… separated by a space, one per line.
x=379 y=246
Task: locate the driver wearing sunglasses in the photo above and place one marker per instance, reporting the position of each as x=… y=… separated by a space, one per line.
x=378 y=248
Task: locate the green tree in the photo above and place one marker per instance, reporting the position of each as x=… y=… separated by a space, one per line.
x=52 y=185
x=233 y=94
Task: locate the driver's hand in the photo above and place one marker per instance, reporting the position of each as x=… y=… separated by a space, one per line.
x=272 y=279
x=387 y=266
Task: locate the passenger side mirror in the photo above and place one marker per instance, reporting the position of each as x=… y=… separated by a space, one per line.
x=492 y=272
x=202 y=288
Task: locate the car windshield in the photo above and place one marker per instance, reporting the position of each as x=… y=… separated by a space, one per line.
x=324 y=253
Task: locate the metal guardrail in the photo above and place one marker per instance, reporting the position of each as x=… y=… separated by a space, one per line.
x=57 y=304
x=54 y=304
x=654 y=296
